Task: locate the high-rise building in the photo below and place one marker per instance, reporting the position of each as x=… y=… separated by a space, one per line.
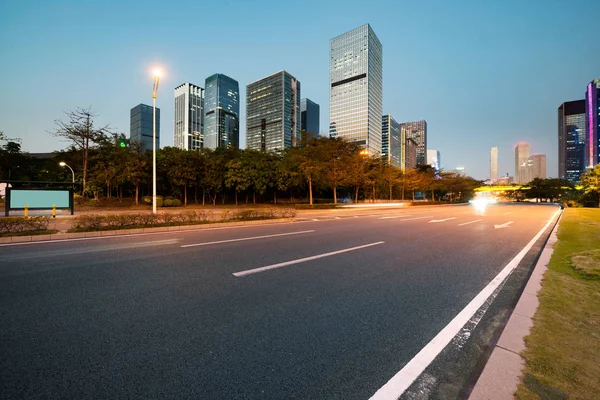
x=521 y=166
x=140 y=127
x=493 y=165
x=391 y=146
x=417 y=130
x=434 y=159
x=273 y=112
x=571 y=140
x=221 y=112
x=408 y=151
x=309 y=119
x=188 y=129
x=460 y=171
x=592 y=123
x=537 y=166
x=356 y=88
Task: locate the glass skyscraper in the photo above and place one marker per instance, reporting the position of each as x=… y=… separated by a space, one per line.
x=356 y=88
x=188 y=130
x=391 y=146
x=309 y=119
x=273 y=112
x=221 y=112
x=140 y=127
x=592 y=123
x=417 y=130
x=571 y=140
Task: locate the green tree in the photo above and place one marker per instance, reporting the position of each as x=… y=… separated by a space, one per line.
x=590 y=180
x=136 y=171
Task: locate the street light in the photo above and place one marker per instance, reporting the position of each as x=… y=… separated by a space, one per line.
x=64 y=164
x=154 y=92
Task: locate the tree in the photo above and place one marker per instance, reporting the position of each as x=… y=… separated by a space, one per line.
x=182 y=171
x=591 y=181
x=236 y=177
x=136 y=171
x=79 y=129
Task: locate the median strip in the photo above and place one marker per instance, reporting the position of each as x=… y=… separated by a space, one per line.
x=247 y=238
x=301 y=260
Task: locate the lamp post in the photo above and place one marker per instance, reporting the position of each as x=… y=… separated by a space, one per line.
x=64 y=164
x=154 y=92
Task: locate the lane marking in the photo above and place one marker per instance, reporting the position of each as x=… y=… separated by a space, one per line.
x=301 y=260
x=441 y=220
x=248 y=238
x=412 y=219
x=505 y=225
x=472 y=222
x=398 y=384
x=507 y=213
x=396 y=216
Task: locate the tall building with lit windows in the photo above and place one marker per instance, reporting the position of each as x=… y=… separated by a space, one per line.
x=522 y=169
x=273 y=112
x=188 y=128
x=592 y=123
x=493 y=165
x=417 y=130
x=221 y=112
x=571 y=140
x=141 y=126
x=391 y=146
x=356 y=88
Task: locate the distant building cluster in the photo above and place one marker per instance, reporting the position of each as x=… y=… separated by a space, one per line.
x=527 y=166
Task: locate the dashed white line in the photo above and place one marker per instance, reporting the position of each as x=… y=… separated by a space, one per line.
x=301 y=260
x=247 y=238
x=472 y=222
x=442 y=220
x=395 y=216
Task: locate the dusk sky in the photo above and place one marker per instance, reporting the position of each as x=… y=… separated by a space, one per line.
x=482 y=73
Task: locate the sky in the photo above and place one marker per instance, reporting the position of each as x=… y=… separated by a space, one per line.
x=481 y=73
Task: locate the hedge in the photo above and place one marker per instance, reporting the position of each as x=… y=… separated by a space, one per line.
x=23 y=224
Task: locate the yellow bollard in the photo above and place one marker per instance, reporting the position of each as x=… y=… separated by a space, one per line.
x=26 y=210
x=53 y=210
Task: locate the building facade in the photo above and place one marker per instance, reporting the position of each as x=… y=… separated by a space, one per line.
x=592 y=123
x=522 y=150
x=493 y=165
x=417 y=130
x=434 y=159
x=571 y=140
x=391 y=145
x=140 y=126
x=408 y=151
x=273 y=112
x=188 y=127
x=356 y=88
x=221 y=112
x=537 y=166
x=309 y=119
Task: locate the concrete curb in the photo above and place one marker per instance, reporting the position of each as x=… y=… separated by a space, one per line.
x=502 y=372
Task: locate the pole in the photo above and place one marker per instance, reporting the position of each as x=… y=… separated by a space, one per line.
x=154 y=152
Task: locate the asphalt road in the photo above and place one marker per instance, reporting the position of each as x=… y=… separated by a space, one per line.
x=328 y=307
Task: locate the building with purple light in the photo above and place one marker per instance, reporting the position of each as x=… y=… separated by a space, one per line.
x=592 y=123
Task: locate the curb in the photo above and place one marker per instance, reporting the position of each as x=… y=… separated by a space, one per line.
x=502 y=372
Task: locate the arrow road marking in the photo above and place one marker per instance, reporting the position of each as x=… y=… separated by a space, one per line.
x=442 y=220
x=505 y=225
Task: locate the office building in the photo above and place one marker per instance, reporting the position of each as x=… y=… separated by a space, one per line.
x=391 y=146
x=188 y=128
x=537 y=166
x=408 y=150
x=221 y=112
x=460 y=171
x=493 y=165
x=571 y=140
x=521 y=165
x=140 y=127
x=273 y=112
x=417 y=130
x=592 y=123
x=309 y=119
x=356 y=88
x=434 y=159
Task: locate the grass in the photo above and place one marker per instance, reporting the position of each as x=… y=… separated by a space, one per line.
x=29 y=233
x=563 y=348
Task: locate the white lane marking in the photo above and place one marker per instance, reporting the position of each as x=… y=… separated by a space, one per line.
x=412 y=219
x=301 y=260
x=315 y=219
x=472 y=222
x=507 y=213
x=505 y=225
x=396 y=216
x=248 y=238
x=441 y=220
x=394 y=388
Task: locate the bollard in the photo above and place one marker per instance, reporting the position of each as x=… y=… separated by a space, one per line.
x=26 y=210
x=53 y=210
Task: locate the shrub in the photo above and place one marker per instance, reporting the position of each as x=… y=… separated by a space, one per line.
x=176 y=203
x=167 y=203
x=23 y=224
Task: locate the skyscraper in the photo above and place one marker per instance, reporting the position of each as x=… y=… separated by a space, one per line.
x=189 y=117
x=309 y=119
x=221 y=112
x=592 y=123
x=356 y=88
x=140 y=127
x=571 y=140
x=273 y=112
x=434 y=159
x=390 y=141
x=493 y=165
x=521 y=168
x=537 y=166
x=408 y=151
x=417 y=130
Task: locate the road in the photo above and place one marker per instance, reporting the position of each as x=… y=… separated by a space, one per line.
x=329 y=307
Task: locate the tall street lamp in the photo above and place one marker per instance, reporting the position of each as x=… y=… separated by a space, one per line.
x=154 y=92
x=64 y=164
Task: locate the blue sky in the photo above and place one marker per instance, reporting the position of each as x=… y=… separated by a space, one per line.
x=482 y=73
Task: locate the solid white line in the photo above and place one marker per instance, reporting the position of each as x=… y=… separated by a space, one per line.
x=248 y=238
x=396 y=216
x=301 y=260
x=472 y=222
x=442 y=220
x=394 y=388
x=412 y=219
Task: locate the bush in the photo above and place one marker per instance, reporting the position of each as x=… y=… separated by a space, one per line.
x=23 y=224
x=176 y=203
x=167 y=203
